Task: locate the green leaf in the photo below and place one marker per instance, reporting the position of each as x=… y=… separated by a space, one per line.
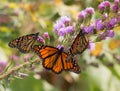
x=27 y=84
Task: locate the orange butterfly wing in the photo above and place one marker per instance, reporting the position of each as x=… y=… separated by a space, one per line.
x=80 y=43
x=76 y=68
x=24 y=43
x=53 y=58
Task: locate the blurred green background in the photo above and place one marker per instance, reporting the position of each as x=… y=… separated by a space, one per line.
x=100 y=68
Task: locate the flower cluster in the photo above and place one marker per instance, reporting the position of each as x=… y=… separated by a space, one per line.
x=85 y=13
x=62 y=26
x=105 y=24
x=102 y=26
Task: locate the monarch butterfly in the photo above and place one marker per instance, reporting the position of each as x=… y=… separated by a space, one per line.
x=55 y=59
x=24 y=43
x=80 y=43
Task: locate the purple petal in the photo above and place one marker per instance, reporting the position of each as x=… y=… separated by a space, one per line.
x=115 y=8
x=110 y=33
x=65 y=19
x=69 y=29
x=91 y=46
x=106 y=3
x=15 y=57
x=113 y=21
x=108 y=25
x=46 y=35
x=118 y=19
x=103 y=4
x=99 y=25
x=116 y=1
x=82 y=15
x=58 y=25
x=61 y=32
x=3 y=64
x=89 y=10
x=40 y=39
x=102 y=36
x=89 y=29
x=101 y=7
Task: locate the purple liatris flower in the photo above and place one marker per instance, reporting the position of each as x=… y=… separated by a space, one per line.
x=62 y=26
x=118 y=19
x=116 y=1
x=102 y=36
x=65 y=19
x=99 y=25
x=108 y=25
x=110 y=33
x=62 y=32
x=46 y=35
x=82 y=15
x=40 y=39
x=101 y=7
x=115 y=8
x=89 y=29
x=107 y=6
x=69 y=29
x=89 y=10
x=106 y=3
x=107 y=33
x=15 y=57
x=111 y=23
x=3 y=64
x=91 y=46
x=58 y=25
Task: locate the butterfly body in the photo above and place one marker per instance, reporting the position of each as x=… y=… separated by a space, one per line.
x=55 y=59
x=24 y=43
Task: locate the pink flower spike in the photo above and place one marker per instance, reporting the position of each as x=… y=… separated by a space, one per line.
x=46 y=35
x=15 y=57
x=58 y=25
x=116 y=1
x=65 y=19
x=91 y=46
x=101 y=7
x=106 y=3
x=3 y=64
x=89 y=10
x=110 y=33
x=62 y=32
x=82 y=15
x=40 y=39
x=69 y=29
